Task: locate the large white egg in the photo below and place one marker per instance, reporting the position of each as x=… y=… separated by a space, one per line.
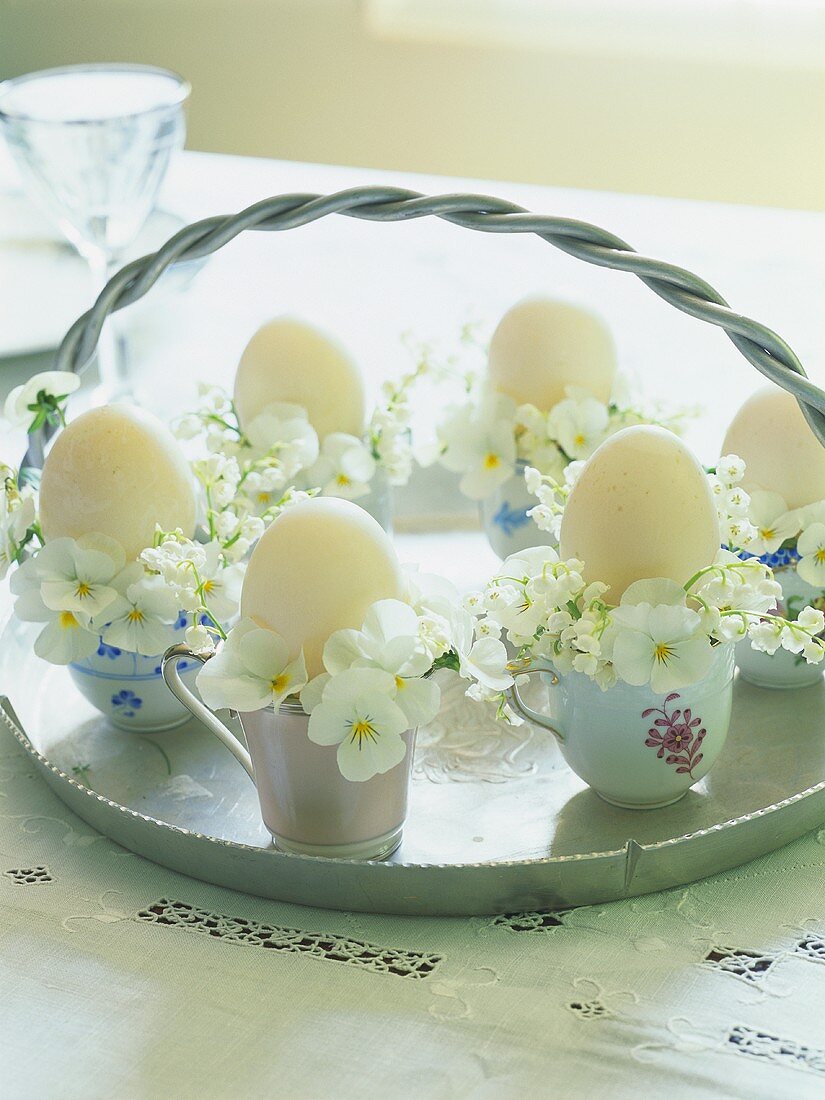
x=317 y=569
x=119 y=471
x=781 y=453
x=543 y=345
x=290 y=361
x=641 y=508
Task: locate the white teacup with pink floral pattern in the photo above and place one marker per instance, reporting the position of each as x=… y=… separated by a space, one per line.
x=636 y=749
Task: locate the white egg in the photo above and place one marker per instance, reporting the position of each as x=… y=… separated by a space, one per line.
x=118 y=471
x=317 y=569
x=290 y=361
x=781 y=453
x=542 y=345
x=641 y=508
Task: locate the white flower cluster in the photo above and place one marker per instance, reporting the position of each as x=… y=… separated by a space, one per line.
x=760 y=523
x=483 y=438
x=86 y=593
x=376 y=684
x=83 y=590
x=660 y=633
x=18 y=518
x=203 y=580
x=280 y=448
x=246 y=473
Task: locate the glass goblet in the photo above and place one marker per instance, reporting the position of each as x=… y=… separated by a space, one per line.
x=92 y=143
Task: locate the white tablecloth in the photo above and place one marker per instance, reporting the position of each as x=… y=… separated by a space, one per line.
x=122 y=979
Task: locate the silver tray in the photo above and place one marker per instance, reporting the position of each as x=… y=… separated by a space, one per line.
x=496 y=824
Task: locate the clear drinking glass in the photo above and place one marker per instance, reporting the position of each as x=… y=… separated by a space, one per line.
x=93 y=143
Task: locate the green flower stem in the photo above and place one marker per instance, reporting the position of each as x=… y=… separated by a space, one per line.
x=210 y=512
x=764 y=616
x=213 y=418
x=728 y=567
x=203 y=607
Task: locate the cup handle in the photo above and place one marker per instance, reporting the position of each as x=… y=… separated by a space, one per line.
x=527 y=667
x=169 y=668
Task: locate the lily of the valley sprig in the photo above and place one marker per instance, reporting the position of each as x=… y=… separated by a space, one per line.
x=377 y=682
x=660 y=633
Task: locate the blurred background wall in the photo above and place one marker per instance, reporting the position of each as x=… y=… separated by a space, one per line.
x=708 y=99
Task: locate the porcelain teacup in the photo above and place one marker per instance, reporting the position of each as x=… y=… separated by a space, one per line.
x=306 y=804
x=636 y=749
x=783 y=669
x=504 y=517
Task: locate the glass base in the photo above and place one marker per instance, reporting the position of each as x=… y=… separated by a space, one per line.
x=379 y=847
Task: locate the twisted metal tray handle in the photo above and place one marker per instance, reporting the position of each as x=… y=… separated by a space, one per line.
x=687 y=292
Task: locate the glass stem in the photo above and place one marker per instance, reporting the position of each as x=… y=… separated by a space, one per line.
x=112 y=350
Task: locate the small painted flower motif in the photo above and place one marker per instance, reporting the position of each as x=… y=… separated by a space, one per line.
x=126 y=703
x=510 y=519
x=106 y=650
x=676 y=733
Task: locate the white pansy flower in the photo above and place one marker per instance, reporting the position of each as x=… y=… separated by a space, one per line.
x=220 y=584
x=389 y=640
x=479 y=443
x=251 y=670
x=55 y=385
x=358 y=713
x=313 y=692
x=344 y=468
x=484 y=659
x=66 y=635
x=18 y=516
x=140 y=617
x=534 y=441
x=811 y=547
x=65 y=638
x=579 y=423
x=658 y=639
x=77 y=575
x=284 y=430
x=769 y=514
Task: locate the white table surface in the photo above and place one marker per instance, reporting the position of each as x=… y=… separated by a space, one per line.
x=619 y=1000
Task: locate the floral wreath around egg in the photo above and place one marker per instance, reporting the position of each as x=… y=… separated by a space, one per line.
x=660 y=633
x=488 y=437
x=279 y=447
x=377 y=681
